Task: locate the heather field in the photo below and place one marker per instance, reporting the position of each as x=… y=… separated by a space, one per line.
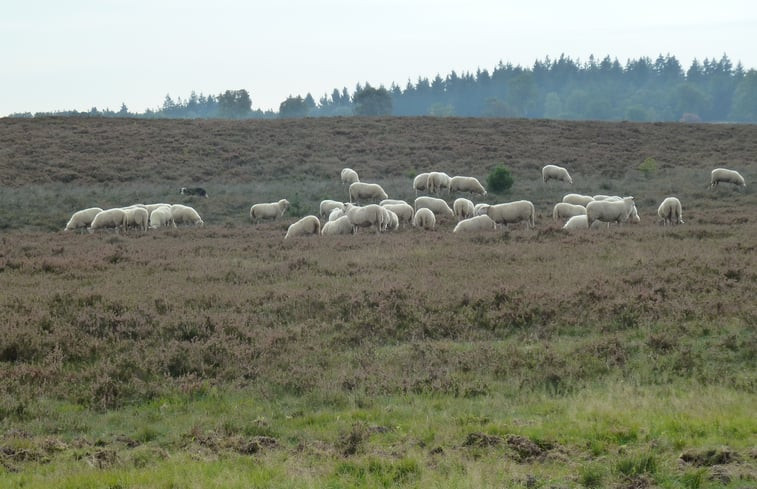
x=225 y=356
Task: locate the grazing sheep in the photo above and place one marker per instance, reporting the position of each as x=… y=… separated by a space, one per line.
x=554 y=172
x=326 y=206
x=336 y=213
x=670 y=211
x=404 y=211
x=272 y=210
x=726 y=176
x=420 y=182
x=577 y=199
x=634 y=217
x=110 y=218
x=582 y=222
x=437 y=181
x=478 y=207
x=82 y=219
x=474 y=224
x=392 y=202
x=151 y=207
x=361 y=190
x=194 y=191
x=161 y=217
x=363 y=217
x=463 y=209
x=341 y=225
x=349 y=176
x=137 y=217
x=466 y=184
x=511 y=212
x=438 y=206
x=183 y=214
x=610 y=210
x=607 y=197
x=563 y=209
x=306 y=225
x=424 y=218
x=391 y=221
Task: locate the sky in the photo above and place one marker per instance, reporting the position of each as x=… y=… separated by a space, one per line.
x=78 y=54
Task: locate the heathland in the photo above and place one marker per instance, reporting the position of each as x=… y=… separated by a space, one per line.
x=225 y=356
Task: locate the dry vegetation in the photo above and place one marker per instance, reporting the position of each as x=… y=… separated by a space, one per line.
x=517 y=358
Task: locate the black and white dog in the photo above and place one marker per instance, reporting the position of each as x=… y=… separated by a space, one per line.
x=194 y=191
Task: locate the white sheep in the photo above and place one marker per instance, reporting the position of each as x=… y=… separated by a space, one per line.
x=419 y=183
x=326 y=206
x=511 y=212
x=726 y=176
x=151 y=207
x=670 y=211
x=370 y=215
x=341 y=225
x=437 y=181
x=109 y=218
x=474 y=224
x=361 y=190
x=404 y=211
x=306 y=225
x=424 y=218
x=336 y=213
x=161 y=217
x=607 y=197
x=581 y=221
x=577 y=199
x=272 y=210
x=563 y=209
x=610 y=210
x=82 y=219
x=183 y=214
x=438 y=206
x=554 y=172
x=463 y=209
x=391 y=221
x=349 y=176
x=392 y=202
x=478 y=207
x=137 y=216
x=466 y=184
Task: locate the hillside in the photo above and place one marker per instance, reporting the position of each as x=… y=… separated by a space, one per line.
x=100 y=151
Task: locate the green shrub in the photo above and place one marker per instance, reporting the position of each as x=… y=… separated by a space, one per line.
x=499 y=180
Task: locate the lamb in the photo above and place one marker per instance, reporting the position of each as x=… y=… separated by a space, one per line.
x=511 y=212
x=137 y=216
x=577 y=199
x=554 y=172
x=370 y=215
x=437 y=181
x=303 y=227
x=82 y=219
x=463 y=209
x=110 y=218
x=610 y=210
x=361 y=190
x=342 y=225
x=582 y=222
x=326 y=206
x=336 y=213
x=563 y=209
x=161 y=217
x=404 y=211
x=670 y=211
x=466 y=184
x=272 y=210
x=726 y=176
x=349 y=176
x=438 y=206
x=474 y=224
x=419 y=182
x=424 y=218
x=182 y=214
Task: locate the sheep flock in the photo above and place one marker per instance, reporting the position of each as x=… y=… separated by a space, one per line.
x=369 y=207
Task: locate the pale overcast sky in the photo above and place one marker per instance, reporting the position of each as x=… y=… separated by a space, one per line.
x=79 y=54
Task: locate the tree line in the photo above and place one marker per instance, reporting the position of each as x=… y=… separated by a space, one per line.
x=643 y=89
